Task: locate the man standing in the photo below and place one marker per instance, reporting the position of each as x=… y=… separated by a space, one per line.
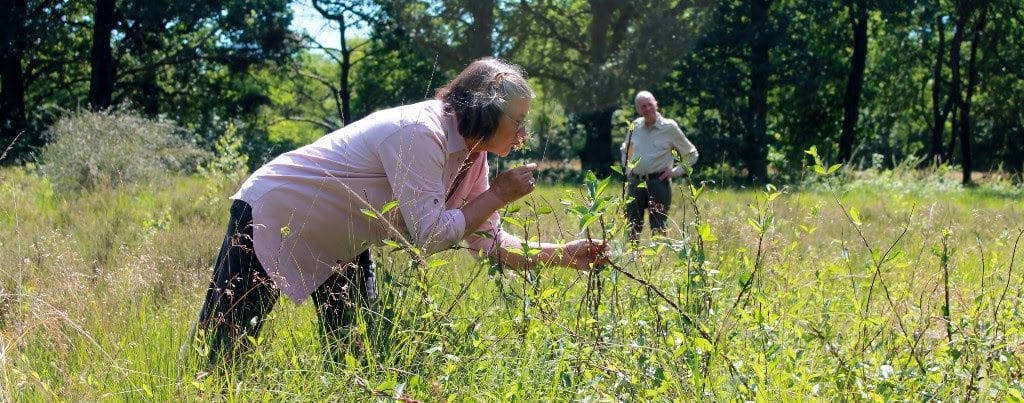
x=649 y=146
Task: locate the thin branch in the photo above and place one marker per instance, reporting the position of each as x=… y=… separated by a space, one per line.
x=10 y=146
x=1009 y=278
x=322 y=124
x=878 y=275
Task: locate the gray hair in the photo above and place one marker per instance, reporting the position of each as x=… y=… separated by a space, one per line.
x=481 y=93
x=643 y=94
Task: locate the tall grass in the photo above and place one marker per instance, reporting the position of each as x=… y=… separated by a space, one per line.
x=836 y=289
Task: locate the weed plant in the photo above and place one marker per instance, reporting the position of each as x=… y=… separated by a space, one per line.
x=834 y=289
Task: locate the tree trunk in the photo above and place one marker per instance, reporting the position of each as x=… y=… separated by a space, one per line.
x=855 y=81
x=150 y=91
x=956 y=86
x=12 y=78
x=596 y=154
x=343 y=92
x=101 y=87
x=148 y=84
x=479 y=42
x=939 y=112
x=755 y=153
x=965 y=105
x=346 y=71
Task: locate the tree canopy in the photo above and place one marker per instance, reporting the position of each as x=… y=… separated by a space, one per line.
x=752 y=82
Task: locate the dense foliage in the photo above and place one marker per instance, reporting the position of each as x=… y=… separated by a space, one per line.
x=753 y=82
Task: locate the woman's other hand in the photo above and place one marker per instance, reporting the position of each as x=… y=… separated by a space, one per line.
x=582 y=253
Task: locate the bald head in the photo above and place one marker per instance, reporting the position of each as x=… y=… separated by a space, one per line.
x=644 y=95
x=647 y=107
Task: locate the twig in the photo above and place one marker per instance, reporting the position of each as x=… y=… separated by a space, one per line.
x=945 y=282
x=878 y=275
x=10 y=146
x=1009 y=277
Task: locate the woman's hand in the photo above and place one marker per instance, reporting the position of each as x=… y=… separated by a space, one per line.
x=582 y=253
x=514 y=183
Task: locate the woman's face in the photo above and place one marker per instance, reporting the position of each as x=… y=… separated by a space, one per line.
x=512 y=131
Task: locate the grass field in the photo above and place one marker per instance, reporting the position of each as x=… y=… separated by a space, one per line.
x=883 y=287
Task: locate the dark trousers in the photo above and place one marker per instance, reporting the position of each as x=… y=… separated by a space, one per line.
x=655 y=198
x=241 y=294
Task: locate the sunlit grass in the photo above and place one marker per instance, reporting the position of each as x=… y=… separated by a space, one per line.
x=99 y=290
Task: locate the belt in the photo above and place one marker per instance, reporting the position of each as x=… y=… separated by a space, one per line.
x=645 y=177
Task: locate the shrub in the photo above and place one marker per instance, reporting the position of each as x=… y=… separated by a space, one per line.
x=87 y=150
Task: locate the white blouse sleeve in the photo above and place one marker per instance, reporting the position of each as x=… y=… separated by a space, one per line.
x=413 y=159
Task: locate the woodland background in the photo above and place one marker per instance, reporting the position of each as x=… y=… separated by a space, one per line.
x=753 y=83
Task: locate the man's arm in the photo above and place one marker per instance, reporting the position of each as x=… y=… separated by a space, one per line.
x=686 y=150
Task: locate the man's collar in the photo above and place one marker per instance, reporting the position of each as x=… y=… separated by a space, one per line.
x=657 y=122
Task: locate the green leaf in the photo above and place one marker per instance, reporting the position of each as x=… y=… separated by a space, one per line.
x=893 y=256
x=388 y=206
x=819 y=169
x=754 y=224
x=702 y=343
x=368 y=213
x=695 y=192
x=600 y=206
x=587 y=220
x=436 y=263
x=603 y=185
x=744 y=279
x=705 y=233
x=834 y=168
x=515 y=251
x=1014 y=395
x=387 y=386
x=617 y=169
x=512 y=220
x=855 y=215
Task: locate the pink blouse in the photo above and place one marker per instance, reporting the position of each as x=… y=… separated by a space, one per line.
x=309 y=204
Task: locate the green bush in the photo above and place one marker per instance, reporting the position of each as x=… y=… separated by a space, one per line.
x=87 y=150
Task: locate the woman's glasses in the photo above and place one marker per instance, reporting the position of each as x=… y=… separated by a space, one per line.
x=520 y=124
x=520 y=128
